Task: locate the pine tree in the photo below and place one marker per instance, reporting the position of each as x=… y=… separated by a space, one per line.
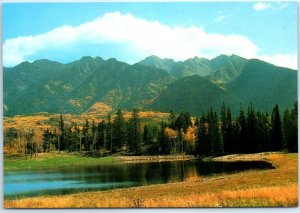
x=290 y=126
x=30 y=143
x=146 y=136
x=183 y=121
x=100 y=138
x=94 y=135
x=77 y=138
x=62 y=134
x=164 y=145
x=201 y=141
x=262 y=133
x=276 y=131
x=109 y=137
x=217 y=139
x=231 y=146
x=172 y=119
x=119 y=131
x=242 y=148
x=214 y=142
x=251 y=143
x=69 y=138
x=224 y=128
x=227 y=130
x=151 y=139
x=86 y=135
x=134 y=133
x=46 y=140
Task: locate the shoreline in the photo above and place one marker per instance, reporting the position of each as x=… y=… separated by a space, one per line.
x=154 y=158
x=242 y=157
x=55 y=160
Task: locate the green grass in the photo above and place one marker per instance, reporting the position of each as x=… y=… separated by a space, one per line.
x=54 y=160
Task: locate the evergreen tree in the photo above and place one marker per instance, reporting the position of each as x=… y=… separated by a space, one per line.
x=62 y=134
x=214 y=142
x=228 y=137
x=251 y=143
x=172 y=120
x=134 y=133
x=202 y=148
x=236 y=136
x=227 y=130
x=217 y=139
x=77 y=138
x=262 y=133
x=183 y=121
x=242 y=148
x=119 y=131
x=151 y=139
x=146 y=136
x=46 y=140
x=276 y=131
x=164 y=145
x=224 y=127
x=109 y=137
x=290 y=126
x=94 y=135
x=69 y=138
x=86 y=135
x=100 y=138
x=31 y=146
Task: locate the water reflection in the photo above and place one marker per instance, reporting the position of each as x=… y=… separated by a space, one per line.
x=79 y=179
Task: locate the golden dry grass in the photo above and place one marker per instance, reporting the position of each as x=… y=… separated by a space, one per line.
x=266 y=188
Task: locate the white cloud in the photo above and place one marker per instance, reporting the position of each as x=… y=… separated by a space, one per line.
x=143 y=38
x=219 y=18
x=283 y=60
x=261 y=6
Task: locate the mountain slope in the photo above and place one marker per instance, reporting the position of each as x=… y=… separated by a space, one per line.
x=156 y=62
x=221 y=69
x=265 y=85
x=118 y=85
x=194 y=94
x=226 y=68
x=75 y=87
x=79 y=86
x=193 y=66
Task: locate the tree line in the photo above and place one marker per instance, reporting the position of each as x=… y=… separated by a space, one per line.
x=250 y=132
x=208 y=135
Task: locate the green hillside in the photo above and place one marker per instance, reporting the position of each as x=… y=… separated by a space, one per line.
x=226 y=68
x=193 y=66
x=222 y=69
x=156 y=62
x=161 y=84
x=265 y=85
x=194 y=94
x=75 y=87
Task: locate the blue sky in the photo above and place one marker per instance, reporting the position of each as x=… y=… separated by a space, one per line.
x=131 y=31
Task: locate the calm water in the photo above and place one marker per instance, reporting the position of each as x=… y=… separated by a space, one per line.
x=70 y=180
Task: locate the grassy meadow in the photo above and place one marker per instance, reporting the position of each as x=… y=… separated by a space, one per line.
x=255 y=188
x=55 y=160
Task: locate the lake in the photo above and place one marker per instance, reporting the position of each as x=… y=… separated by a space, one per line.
x=81 y=179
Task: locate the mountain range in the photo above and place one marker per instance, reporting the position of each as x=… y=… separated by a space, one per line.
x=193 y=85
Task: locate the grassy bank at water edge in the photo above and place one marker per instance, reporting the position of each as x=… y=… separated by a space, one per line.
x=54 y=160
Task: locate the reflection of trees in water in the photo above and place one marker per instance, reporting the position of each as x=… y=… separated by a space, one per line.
x=210 y=168
x=126 y=175
x=146 y=173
